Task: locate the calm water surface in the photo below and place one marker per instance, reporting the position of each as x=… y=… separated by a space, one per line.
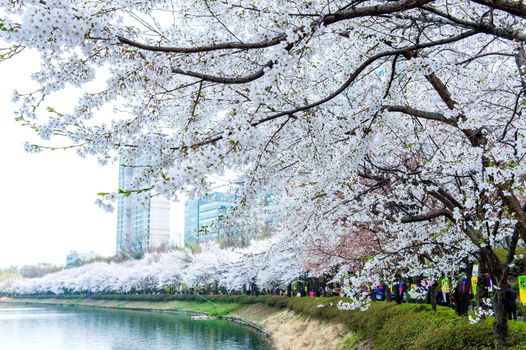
x=24 y=327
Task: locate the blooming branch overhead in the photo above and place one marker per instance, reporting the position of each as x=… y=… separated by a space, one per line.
x=400 y=121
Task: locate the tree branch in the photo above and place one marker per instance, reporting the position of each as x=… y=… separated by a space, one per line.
x=441 y=89
x=428 y=216
x=362 y=67
x=517 y=8
x=375 y=10
x=422 y=114
x=207 y=48
x=475 y=136
x=482 y=27
x=223 y=80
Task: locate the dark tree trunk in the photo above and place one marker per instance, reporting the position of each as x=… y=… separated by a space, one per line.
x=493 y=265
x=481 y=287
x=433 y=293
x=316 y=286
x=457 y=298
x=500 y=324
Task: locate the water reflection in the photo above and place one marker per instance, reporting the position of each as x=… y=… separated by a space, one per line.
x=61 y=328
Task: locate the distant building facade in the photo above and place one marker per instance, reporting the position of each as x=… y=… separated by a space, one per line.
x=201 y=213
x=140 y=227
x=75 y=258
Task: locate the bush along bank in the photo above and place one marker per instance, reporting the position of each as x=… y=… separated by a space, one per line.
x=389 y=326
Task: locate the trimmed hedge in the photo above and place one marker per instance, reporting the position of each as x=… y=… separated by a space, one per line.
x=389 y=325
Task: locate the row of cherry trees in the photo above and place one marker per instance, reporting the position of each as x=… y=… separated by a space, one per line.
x=174 y=271
x=392 y=132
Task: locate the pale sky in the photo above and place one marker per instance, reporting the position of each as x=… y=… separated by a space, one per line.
x=47 y=206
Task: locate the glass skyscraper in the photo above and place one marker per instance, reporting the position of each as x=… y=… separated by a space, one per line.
x=201 y=213
x=140 y=228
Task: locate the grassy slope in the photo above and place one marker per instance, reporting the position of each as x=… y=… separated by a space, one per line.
x=293 y=331
x=413 y=326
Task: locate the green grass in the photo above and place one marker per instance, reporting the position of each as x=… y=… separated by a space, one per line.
x=352 y=340
x=212 y=309
x=413 y=326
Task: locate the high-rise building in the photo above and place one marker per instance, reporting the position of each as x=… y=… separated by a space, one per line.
x=201 y=213
x=141 y=227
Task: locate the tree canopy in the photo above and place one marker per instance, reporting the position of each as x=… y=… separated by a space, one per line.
x=390 y=132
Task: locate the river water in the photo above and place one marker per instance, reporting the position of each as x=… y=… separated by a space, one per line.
x=24 y=327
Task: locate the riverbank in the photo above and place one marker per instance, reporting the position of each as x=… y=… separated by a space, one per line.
x=286 y=329
x=194 y=308
x=317 y=323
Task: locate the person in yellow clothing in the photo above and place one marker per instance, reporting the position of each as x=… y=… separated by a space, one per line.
x=522 y=289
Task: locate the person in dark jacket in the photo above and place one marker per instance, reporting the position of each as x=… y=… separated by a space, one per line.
x=510 y=302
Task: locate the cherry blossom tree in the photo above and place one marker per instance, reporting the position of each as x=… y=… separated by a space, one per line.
x=154 y=272
x=403 y=116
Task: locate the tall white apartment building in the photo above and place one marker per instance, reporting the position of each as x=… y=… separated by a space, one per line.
x=140 y=228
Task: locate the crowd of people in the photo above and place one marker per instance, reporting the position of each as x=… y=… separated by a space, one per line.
x=439 y=293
